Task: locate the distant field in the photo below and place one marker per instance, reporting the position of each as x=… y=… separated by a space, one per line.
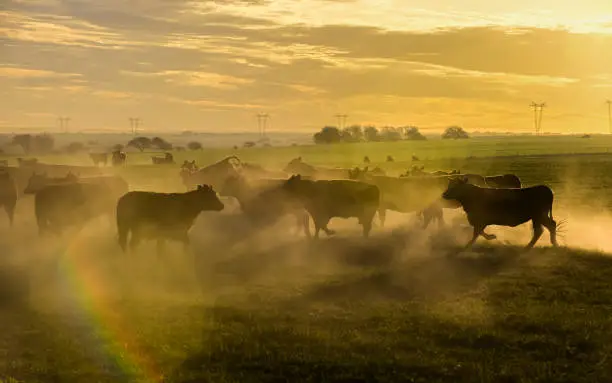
x=272 y=307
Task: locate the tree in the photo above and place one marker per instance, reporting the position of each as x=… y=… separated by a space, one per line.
x=371 y=133
x=412 y=133
x=328 y=135
x=140 y=143
x=455 y=132
x=194 y=145
x=353 y=133
x=161 y=144
x=389 y=133
x=23 y=140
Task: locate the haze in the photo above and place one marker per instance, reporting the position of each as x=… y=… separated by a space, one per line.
x=212 y=66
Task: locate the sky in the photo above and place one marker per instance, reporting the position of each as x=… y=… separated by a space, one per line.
x=214 y=65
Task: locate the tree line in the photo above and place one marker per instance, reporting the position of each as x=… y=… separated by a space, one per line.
x=358 y=133
x=45 y=143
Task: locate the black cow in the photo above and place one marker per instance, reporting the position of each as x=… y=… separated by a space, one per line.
x=504 y=207
x=38 y=181
x=265 y=201
x=325 y=199
x=72 y=204
x=162 y=215
x=8 y=194
x=118 y=158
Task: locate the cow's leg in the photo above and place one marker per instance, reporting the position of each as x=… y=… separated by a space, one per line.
x=478 y=229
x=134 y=240
x=382 y=216
x=161 y=246
x=304 y=221
x=184 y=238
x=122 y=236
x=537 y=233
x=10 y=212
x=551 y=225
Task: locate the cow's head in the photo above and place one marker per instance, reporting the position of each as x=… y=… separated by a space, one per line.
x=208 y=199
x=455 y=188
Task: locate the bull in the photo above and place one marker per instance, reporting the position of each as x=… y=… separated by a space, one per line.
x=325 y=199
x=504 y=207
x=162 y=216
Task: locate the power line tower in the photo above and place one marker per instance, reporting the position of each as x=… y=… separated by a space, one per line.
x=262 y=123
x=537 y=119
x=63 y=121
x=341 y=120
x=609 y=102
x=134 y=123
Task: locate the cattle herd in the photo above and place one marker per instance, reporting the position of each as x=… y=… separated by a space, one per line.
x=301 y=190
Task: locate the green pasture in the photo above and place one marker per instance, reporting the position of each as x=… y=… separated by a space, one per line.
x=392 y=308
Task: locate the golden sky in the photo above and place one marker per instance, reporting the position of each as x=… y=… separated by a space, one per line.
x=213 y=65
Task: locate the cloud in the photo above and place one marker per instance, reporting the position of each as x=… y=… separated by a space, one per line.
x=24 y=73
x=193 y=78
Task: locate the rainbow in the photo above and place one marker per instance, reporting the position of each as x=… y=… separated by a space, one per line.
x=111 y=338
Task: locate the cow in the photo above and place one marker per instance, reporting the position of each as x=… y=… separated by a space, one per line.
x=58 y=206
x=215 y=174
x=189 y=166
x=99 y=158
x=162 y=216
x=504 y=207
x=27 y=162
x=297 y=166
x=325 y=199
x=166 y=159
x=38 y=181
x=8 y=195
x=257 y=171
x=366 y=160
x=264 y=201
x=118 y=158
x=406 y=194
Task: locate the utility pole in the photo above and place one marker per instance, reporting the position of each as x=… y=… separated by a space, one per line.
x=63 y=121
x=262 y=120
x=134 y=123
x=341 y=120
x=609 y=102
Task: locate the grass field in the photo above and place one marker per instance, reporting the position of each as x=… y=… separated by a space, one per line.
x=273 y=308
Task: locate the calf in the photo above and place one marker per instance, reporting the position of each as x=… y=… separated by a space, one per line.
x=162 y=215
x=325 y=199
x=505 y=207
